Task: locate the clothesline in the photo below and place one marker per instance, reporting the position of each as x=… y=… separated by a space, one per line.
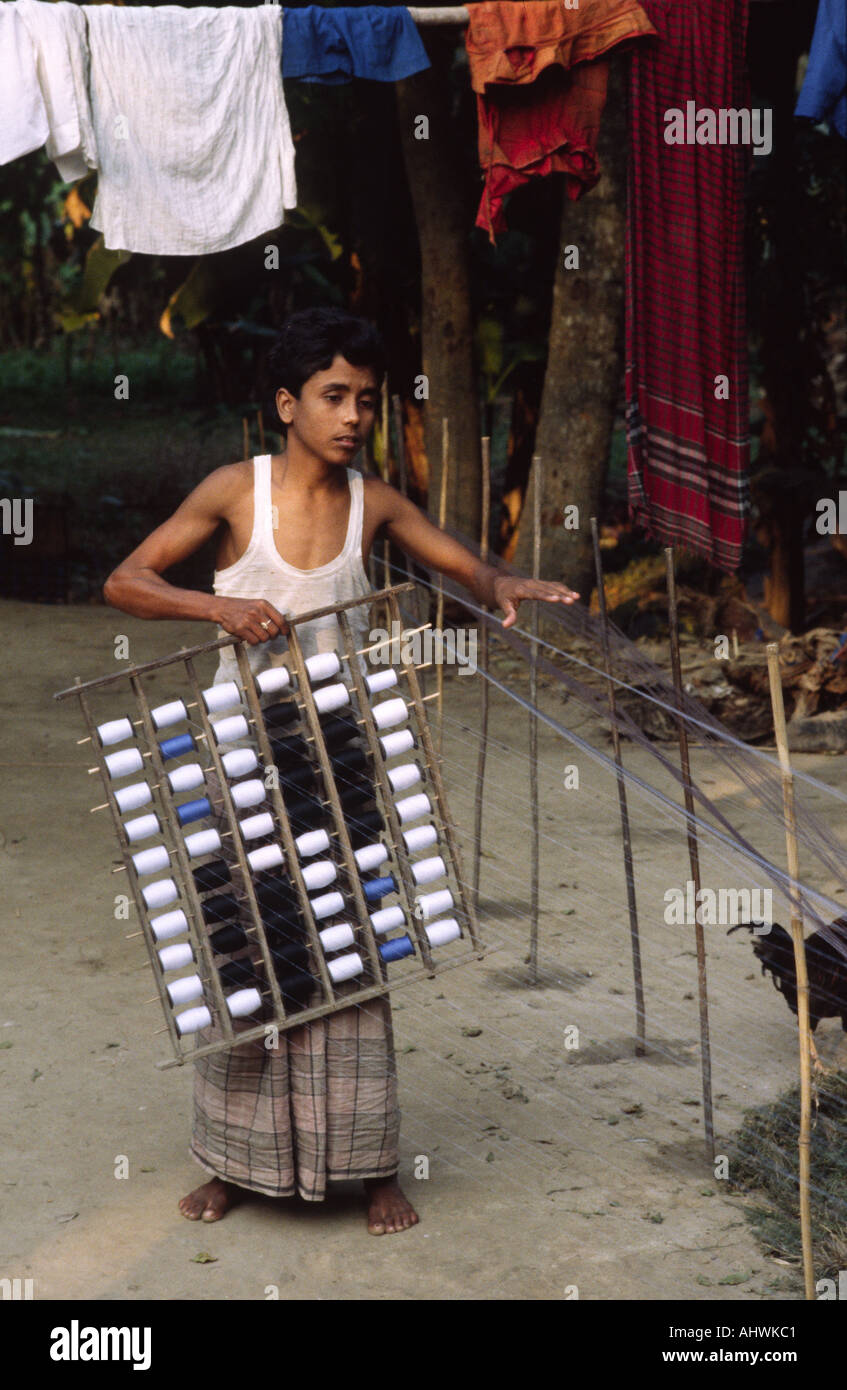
x=448 y=14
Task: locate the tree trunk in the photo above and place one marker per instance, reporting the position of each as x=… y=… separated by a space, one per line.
x=585 y=362
x=444 y=214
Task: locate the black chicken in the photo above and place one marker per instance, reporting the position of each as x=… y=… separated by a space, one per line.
x=825 y=963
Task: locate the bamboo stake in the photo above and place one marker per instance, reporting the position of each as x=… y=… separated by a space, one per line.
x=439 y=619
x=694 y=859
x=261 y=425
x=386 y=473
x=635 y=941
x=778 y=708
x=420 y=598
x=483 y=694
x=245 y=438
x=538 y=476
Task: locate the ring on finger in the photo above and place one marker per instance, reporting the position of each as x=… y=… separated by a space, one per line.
x=266 y=624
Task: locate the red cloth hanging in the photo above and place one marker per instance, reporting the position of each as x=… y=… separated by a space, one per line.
x=688 y=449
x=541 y=90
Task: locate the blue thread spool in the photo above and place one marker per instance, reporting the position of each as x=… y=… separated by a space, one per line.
x=194 y=810
x=175 y=747
x=397 y=948
x=376 y=888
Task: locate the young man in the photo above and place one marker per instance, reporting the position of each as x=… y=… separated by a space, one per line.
x=294 y=532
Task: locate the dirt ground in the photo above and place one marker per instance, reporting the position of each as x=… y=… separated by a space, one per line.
x=549 y=1167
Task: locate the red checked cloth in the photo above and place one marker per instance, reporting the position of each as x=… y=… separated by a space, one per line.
x=541 y=91
x=688 y=452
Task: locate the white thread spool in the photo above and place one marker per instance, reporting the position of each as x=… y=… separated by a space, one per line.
x=254 y=827
x=319 y=875
x=184 y=990
x=243 y=1002
x=420 y=837
x=413 y=806
x=336 y=938
x=227 y=730
x=428 y=870
x=185 y=779
x=123 y=763
x=331 y=697
x=130 y=798
x=370 y=856
x=115 y=731
x=404 y=776
x=175 y=957
x=399 y=742
x=248 y=793
x=431 y=904
x=222 y=696
x=192 y=1020
x=380 y=680
x=160 y=893
x=265 y=857
x=327 y=905
x=165 y=715
x=386 y=919
x=345 y=967
x=312 y=842
x=168 y=925
x=151 y=861
x=202 y=842
x=323 y=665
x=274 y=679
x=440 y=933
x=389 y=712
x=238 y=761
x=142 y=828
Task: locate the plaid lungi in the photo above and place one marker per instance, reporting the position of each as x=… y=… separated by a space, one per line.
x=321 y=1106
x=688 y=451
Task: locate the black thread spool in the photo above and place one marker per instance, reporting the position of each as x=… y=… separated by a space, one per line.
x=211 y=876
x=289 y=749
x=240 y=973
x=228 y=939
x=362 y=826
x=220 y=909
x=291 y=966
x=275 y=893
x=278 y=715
x=305 y=813
x=351 y=758
x=338 y=729
x=295 y=781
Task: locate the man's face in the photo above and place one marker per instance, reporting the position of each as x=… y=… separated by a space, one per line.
x=335 y=412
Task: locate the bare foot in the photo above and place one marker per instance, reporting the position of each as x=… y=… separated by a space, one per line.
x=209 y=1202
x=388 y=1210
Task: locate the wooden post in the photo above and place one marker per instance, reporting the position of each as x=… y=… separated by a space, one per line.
x=260 y=422
x=538 y=483
x=245 y=437
x=635 y=940
x=439 y=618
x=386 y=475
x=483 y=694
x=694 y=859
x=778 y=708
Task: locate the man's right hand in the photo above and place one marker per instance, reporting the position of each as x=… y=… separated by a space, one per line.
x=254 y=620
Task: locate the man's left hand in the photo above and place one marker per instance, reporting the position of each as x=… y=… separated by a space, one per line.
x=509 y=590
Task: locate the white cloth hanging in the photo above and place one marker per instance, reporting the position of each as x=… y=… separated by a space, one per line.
x=194 y=143
x=23 y=115
x=58 y=35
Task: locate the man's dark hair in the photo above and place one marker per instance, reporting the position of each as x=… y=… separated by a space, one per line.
x=311 y=339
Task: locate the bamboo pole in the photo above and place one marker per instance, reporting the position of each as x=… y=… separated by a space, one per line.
x=694 y=860
x=778 y=708
x=538 y=483
x=420 y=599
x=245 y=437
x=483 y=694
x=261 y=425
x=635 y=940
x=386 y=474
x=439 y=618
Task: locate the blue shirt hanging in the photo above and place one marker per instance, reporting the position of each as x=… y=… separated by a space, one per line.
x=333 y=46
x=824 y=93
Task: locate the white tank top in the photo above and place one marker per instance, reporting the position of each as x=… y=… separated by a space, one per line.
x=261 y=572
